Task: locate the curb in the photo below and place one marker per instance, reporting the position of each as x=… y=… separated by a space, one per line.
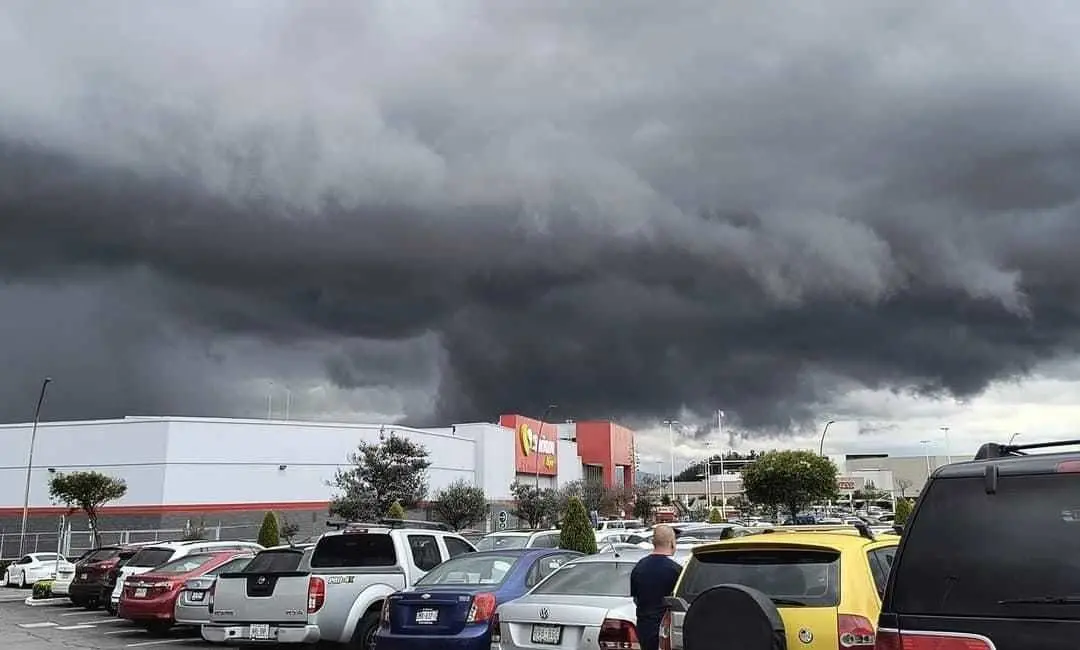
x=42 y=602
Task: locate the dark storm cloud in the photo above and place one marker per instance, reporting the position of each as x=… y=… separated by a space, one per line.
x=630 y=209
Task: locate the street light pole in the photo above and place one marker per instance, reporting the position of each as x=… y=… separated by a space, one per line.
x=1013 y=437
x=926 y=452
x=671 y=443
x=821 y=447
x=723 y=486
x=30 y=466
x=948 y=454
x=539 y=438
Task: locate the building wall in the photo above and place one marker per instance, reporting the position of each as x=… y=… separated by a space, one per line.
x=907 y=469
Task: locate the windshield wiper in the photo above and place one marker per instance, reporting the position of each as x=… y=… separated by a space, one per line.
x=1042 y=600
x=787 y=602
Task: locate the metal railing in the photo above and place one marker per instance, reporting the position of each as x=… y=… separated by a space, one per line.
x=73 y=543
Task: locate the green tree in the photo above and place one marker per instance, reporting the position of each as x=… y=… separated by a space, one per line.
x=533 y=505
x=394 y=469
x=715 y=517
x=269 y=533
x=87 y=491
x=577 y=533
x=903 y=511
x=395 y=511
x=792 y=480
x=644 y=501
x=460 y=504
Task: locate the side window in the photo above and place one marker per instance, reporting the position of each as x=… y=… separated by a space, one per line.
x=26 y=559
x=456 y=547
x=545 y=540
x=425 y=552
x=544 y=567
x=880 y=564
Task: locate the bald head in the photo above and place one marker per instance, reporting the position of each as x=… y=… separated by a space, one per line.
x=663 y=539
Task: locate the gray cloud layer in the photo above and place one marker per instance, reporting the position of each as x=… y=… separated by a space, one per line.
x=625 y=208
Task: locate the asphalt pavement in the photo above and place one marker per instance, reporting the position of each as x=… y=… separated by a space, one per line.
x=63 y=626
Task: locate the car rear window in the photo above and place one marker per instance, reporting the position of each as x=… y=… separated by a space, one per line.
x=800 y=575
x=471 y=569
x=354 y=550
x=275 y=561
x=100 y=555
x=151 y=556
x=184 y=564
x=966 y=551
x=502 y=542
x=589 y=579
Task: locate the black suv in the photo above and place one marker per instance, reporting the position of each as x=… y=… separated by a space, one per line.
x=990 y=558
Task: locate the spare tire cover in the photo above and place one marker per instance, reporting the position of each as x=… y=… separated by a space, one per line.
x=733 y=616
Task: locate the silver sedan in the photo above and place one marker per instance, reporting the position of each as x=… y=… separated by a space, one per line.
x=585 y=605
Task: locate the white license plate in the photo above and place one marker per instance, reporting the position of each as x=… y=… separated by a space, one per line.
x=261 y=632
x=547 y=634
x=427 y=616
x=140 y=592
x=196 y=596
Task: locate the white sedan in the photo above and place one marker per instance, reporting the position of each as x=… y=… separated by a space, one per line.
x=31 y=568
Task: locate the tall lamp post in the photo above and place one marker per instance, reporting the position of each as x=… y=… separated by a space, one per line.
x=1013 y=437
x=821 y=447
x=539 y=437
x=926 y=451
x=948 y=454
x=671 y=442
x=30 y=467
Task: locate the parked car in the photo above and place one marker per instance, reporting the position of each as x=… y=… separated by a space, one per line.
x=111 y=577
x=33 y=567
x=521 y=538
x=456 y=601
x=149 y=599
x=193 y=601
x=155 y=555
x=90 y=573
x=339 y=600
x=821 y=587
x=65 y=575
x=988 y=556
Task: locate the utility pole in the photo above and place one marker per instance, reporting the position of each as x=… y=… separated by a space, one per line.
x=671 y=443
x=948 y=454
x=723 y=487
x=30 y=467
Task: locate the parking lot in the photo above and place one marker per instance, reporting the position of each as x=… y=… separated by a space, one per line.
x=60 y=625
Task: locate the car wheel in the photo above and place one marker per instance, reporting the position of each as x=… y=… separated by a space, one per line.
x=158 y=628
x=22 y=581
x=363 y=637
x=745 y=616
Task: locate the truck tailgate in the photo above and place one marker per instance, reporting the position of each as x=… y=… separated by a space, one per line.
x=271 y=597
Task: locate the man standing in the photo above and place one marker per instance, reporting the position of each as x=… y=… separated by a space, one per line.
x=652 y=580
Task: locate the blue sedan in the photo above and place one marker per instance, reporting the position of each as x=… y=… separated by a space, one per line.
x=453 y=606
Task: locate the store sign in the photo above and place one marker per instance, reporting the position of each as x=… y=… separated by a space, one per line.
x=847 y=484
x=532 y=452
x=531 y=443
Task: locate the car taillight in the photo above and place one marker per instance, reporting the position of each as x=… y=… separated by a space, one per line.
x=496 y=631
x=854 y=631
x=665 y=631
x=617 y=634
x=384 y=615
x=210 y=598
x=893 y=640
x=1069 y=467
x=483 y=607
x=316 y=594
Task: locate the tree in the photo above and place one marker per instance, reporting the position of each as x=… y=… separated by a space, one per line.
x=269 y=534
x=739 y=502
x=460 y=504
x=87 y=491
x=394 y=469
x=715 y=517
x=395 y=511
x=790 y=479
x=533 y=505
x=903 y=511
x=903 y=485
x=577 y=533
x=289 y=530
x=592 y=494
x=644 y=502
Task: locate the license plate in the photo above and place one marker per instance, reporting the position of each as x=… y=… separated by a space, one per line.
x=261 y=632
x=82 y=576
x=547 y=634
x=427 y=616
x=196 y=596
x=140 y=592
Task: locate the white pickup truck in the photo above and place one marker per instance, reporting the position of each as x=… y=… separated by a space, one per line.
x=340 y=596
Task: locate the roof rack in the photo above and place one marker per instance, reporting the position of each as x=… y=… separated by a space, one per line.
x=386 y=522
x=862 y=527
x=995 y=450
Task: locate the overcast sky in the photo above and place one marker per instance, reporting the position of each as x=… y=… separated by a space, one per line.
x=441 y=211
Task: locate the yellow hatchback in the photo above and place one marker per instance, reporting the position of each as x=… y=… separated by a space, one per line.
x=819 y=588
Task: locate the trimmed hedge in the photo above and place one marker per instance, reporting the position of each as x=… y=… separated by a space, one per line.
x=43 y=589
x=577 y=533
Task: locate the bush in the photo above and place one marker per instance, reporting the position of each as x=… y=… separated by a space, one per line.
x=577 y=534
x=395 y=511
x=268 y=533
x=4 y=564
x=903 y=511
x=715 y=517
x=43 y=589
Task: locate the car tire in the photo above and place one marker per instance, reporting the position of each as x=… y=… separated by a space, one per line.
x=158 y=628
x=744 y=617
x=22 y=581
x=363 y=637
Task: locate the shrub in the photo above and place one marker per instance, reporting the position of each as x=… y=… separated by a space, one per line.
x=4 y=564
x=715 y=517
x=903 y=511
x=43 y=589
x=268 y=533
x=577 y=534
x=395 y=511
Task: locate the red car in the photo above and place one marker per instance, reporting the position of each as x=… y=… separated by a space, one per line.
x=150 y=598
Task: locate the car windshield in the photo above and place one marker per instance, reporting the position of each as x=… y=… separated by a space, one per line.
x=184 y=564
x=100 y=555
x=806 y=576
x=150 y=557
x=500 y=542
x=471 y=569
x=275 y=561
x=589 y=579
x=1021 y=542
